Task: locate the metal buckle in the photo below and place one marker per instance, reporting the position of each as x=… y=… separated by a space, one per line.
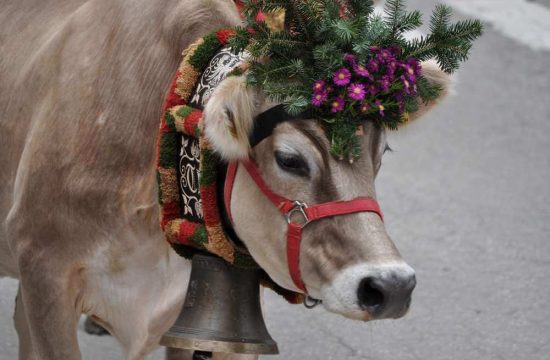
x=299 y=207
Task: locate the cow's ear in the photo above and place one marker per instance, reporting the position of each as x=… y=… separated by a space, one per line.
x=433 y=73
x=229 y=117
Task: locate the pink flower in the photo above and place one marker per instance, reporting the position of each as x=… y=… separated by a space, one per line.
x=318 y=86
x=356 y=91
x=319 y=98
x=410 y=88
x=373 y=65
x=361 y=70
x=384 y=83
x=380 y=107
x=364 y=107
x=373 y=90
x=337 y=105
x=350 y=58
x=341 y=77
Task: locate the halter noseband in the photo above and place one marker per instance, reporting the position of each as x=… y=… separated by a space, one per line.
x=297 y=213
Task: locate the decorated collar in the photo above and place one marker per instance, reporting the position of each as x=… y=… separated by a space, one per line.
x=190 y=174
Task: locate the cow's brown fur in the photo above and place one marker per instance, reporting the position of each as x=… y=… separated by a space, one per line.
x=82 y=84
x=81 y=88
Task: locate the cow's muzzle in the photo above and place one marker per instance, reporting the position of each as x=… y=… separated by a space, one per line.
x=370 y=292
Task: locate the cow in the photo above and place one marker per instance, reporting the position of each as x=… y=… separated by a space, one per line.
x=82 y=84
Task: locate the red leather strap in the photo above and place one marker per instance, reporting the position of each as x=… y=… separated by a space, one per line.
x=313 y=213
x=228 y=187
x=294 y=239
x=336 y=208
x=280 y=202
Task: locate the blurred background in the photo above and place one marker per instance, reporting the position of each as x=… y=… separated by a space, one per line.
x=466 y=194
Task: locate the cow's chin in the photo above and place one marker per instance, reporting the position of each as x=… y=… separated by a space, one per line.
x=350 y=294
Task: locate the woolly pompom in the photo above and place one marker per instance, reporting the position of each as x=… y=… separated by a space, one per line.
x=228 y=118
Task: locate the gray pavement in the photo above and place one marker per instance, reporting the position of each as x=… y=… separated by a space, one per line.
x=466 y=196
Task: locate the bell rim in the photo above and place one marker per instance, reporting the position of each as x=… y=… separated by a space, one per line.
x=220 y=345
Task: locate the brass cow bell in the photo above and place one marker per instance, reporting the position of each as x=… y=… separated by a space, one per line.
x=222 y=311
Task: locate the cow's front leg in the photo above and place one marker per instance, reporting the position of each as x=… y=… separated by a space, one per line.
x=22 y=327
x=49 y=299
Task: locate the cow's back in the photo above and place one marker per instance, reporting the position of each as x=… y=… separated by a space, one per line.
x=81 y=90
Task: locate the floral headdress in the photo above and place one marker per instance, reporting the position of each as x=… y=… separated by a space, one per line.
x=344 y=64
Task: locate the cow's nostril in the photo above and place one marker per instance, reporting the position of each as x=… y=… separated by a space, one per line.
x=369 y=294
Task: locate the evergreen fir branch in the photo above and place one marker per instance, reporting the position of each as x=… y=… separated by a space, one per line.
x=374 y=33
x=411 y=105
x=344 y=31
x=410 y=21
x=331 y=10
x=426 y=90
x=449 y=45
x=440 y=18
x=240 y=40
x=327 y=58
x=394 y=11
x=467 y=30
x=363 y=7
x=283 y=90
x=295 y=105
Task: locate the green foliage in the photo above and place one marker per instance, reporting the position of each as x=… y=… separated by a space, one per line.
x=448 y=43
x=201 y=58
x=316 y=37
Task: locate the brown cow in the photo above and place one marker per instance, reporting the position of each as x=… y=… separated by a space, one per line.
x=81 y=88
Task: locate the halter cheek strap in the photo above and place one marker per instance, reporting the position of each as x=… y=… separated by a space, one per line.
x=297 y=214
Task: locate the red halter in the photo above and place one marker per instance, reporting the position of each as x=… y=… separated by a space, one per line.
x=297 y=213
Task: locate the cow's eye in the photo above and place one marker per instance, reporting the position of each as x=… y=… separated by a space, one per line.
x=292 y=163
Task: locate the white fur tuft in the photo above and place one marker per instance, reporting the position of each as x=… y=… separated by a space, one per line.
x=229 y=117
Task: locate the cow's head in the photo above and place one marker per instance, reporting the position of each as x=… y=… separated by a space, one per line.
x=349 y=262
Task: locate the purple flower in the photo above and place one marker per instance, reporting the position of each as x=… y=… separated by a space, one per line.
x=391 y=68
x=318 y=86
x=364 y=107
x=356 y=91
x=337 y=104
x=373 y=66
x=385 y=56
x=341 y=77
x=372 y=89
x=400 y=101
x=384 y=83
x=361 y=70
x=412 y=69
x=396 y=50
x=406 y=84
x=350 y=58
x=319 y=98
x=380 y=107
x=410 y=88
x=415 y=65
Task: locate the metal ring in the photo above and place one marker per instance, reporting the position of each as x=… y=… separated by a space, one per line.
x=310 y=302
x=299 y=207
